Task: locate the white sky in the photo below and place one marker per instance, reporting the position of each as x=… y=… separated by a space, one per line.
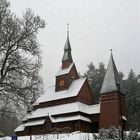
x=96 y=26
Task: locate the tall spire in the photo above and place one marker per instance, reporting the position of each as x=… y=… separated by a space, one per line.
x=67 y=58
x=67 y=44
x=111 y=80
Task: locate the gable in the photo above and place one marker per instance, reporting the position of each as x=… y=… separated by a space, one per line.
x=73 y=72
x=64 y=77
x=85 y=95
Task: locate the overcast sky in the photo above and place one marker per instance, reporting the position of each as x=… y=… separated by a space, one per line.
x=96 y=26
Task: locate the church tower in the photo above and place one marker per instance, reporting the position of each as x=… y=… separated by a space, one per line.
x=113 y=110
x=67 y=72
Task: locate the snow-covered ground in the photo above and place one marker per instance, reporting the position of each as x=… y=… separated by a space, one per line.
x=71 y=136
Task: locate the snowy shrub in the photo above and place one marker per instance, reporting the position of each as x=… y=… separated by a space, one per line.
x=133 y=135
x=95 y=136
x=111 y=133
x=102 y=134
x=115 y=134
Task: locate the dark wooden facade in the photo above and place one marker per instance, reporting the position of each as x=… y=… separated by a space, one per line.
x=112 y=108
x=84 y=96
x=112 y=104
x=62 y=127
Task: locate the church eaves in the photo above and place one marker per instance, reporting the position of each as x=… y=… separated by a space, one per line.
x=111 y=81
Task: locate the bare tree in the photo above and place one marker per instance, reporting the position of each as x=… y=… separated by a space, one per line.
x=20 y=60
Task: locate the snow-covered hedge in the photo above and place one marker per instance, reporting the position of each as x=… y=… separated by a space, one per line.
x=113 y=133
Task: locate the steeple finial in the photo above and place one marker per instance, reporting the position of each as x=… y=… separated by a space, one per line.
x=67 y=29
x=111 y=51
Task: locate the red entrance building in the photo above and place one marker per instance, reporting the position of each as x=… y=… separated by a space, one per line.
x=68 y=105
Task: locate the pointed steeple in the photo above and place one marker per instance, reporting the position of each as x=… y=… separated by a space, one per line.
x=111 y=81
x=67 y=58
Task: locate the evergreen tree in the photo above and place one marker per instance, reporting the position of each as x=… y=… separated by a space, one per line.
x=131 y=88
x=133 y=135
x=132 y=92
x=95 y=77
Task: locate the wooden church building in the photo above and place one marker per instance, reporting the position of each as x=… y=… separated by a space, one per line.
x=68 y=105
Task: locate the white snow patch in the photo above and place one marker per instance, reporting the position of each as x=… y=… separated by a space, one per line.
x=30 y=123
x=51 y=95
x=70 y=136
x=65 y=108
x=19 y=128
x=70 y=118
x=64 y=71
x=124 y=118
x=33 y=123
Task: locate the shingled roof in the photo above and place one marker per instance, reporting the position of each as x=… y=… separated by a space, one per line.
x=67 y=50
x=111 y=80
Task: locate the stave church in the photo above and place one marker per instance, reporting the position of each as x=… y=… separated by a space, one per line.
x=68 y=105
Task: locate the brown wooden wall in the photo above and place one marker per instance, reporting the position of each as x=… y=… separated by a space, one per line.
x=110 y=110
x=65 y=64
x=85 y=94
x=73 y=73
x=62 y=127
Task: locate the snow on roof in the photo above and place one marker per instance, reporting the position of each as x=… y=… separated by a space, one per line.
x=30 y=123
x=33 y=123
x=69 y=118
x=51 y=95
x=60 y=109
x=111 y=78
x=65 y=108
x=19 y=128
x=90 y=109
x=124 y=118
x=64 y=71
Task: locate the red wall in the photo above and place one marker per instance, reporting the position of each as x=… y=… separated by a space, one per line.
x=85 y=95
x=110 y=110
